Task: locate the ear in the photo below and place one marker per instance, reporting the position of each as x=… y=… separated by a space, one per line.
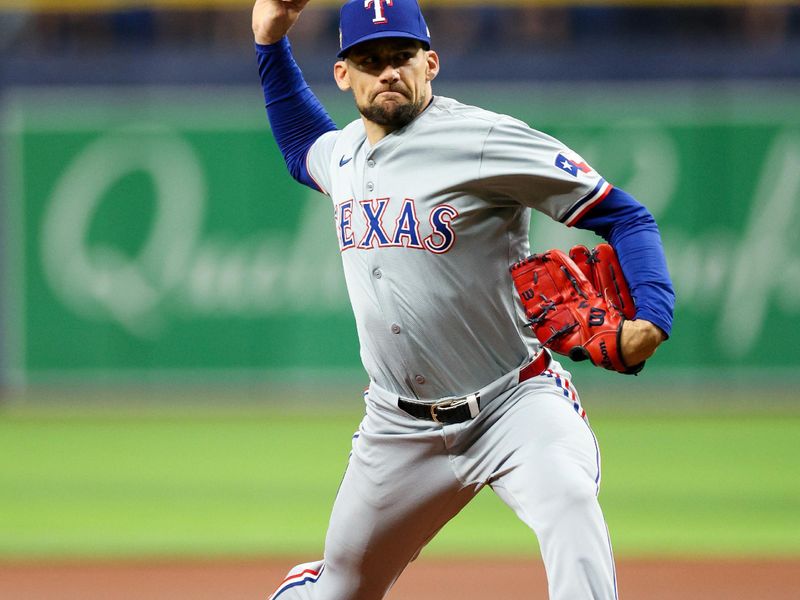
x=341 y=75
x=433 y=65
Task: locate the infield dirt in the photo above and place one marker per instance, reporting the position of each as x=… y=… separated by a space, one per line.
x=423 y=580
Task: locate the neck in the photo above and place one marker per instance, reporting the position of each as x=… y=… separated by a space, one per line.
x=376 y=132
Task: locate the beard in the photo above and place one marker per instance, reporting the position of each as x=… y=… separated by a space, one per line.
x=395 y=116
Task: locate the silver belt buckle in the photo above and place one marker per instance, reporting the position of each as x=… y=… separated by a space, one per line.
x=471 y=400
x=433 y=413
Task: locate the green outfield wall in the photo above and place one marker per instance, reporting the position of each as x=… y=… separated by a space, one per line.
x=154 y=234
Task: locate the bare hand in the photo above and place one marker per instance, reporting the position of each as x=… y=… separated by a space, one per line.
x=639 y=340
x=272 y=19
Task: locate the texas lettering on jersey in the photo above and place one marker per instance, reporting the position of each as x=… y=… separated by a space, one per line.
x=366 y=225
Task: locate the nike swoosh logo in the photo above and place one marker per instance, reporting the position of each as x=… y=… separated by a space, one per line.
x=343 y=162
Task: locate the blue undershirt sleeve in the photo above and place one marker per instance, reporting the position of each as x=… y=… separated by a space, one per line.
x=295 y=114
x=630 y=228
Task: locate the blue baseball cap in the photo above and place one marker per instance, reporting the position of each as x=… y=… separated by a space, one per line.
x=362 y=20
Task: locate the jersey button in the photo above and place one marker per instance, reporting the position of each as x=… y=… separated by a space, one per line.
x=378 y=273
x=395 y=328
x=370 y=186
x=419 y=379
x=370 y=163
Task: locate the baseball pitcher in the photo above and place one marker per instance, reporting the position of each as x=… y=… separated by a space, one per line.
x=457 y=323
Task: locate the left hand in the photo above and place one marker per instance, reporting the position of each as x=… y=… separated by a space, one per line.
x=639 y=340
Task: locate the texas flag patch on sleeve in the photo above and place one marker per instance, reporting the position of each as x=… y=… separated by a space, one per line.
x=590 y=189
x=571 y=163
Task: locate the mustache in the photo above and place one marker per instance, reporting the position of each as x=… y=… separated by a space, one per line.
x=398 y=89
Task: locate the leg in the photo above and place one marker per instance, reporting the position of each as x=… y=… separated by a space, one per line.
x=398 y=491
x=549 y=474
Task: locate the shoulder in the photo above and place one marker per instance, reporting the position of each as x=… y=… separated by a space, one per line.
x=492 y=123
x=457 y=116
x=449 y=122
x=444 y=107
x=340 y=140
x=353 y=132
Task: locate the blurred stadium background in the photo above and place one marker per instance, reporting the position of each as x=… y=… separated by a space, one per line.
x=178 y=362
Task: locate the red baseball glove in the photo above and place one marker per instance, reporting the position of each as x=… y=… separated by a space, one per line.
x=577 y=303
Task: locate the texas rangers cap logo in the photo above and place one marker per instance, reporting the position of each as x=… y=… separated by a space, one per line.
x=379 y=18
x=362 y=20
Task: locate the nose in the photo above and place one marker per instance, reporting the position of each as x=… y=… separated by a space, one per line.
x=389 y=74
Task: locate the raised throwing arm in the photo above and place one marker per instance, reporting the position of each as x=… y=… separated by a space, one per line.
x=297 y=117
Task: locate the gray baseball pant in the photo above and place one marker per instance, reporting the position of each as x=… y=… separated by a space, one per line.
x=407 y=478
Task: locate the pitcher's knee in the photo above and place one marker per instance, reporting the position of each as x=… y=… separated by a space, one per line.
x=577 y=496
x=569 y=489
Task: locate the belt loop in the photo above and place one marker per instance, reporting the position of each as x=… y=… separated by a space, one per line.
x=473 y=402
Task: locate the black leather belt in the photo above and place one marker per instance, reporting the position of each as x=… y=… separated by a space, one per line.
x=458 y=410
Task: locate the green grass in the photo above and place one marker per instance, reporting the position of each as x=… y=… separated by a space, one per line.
x=257 y=483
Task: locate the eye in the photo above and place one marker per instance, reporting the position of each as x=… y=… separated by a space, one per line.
x=364 y=60
x=402 y=58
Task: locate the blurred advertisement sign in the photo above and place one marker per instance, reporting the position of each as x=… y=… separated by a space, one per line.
x=167 y=246
x=150 y=238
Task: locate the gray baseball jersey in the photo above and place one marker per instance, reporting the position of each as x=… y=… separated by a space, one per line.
x=426 y=243
x=428 y=221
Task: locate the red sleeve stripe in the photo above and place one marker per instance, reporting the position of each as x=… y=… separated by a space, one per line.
x=580 y=208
